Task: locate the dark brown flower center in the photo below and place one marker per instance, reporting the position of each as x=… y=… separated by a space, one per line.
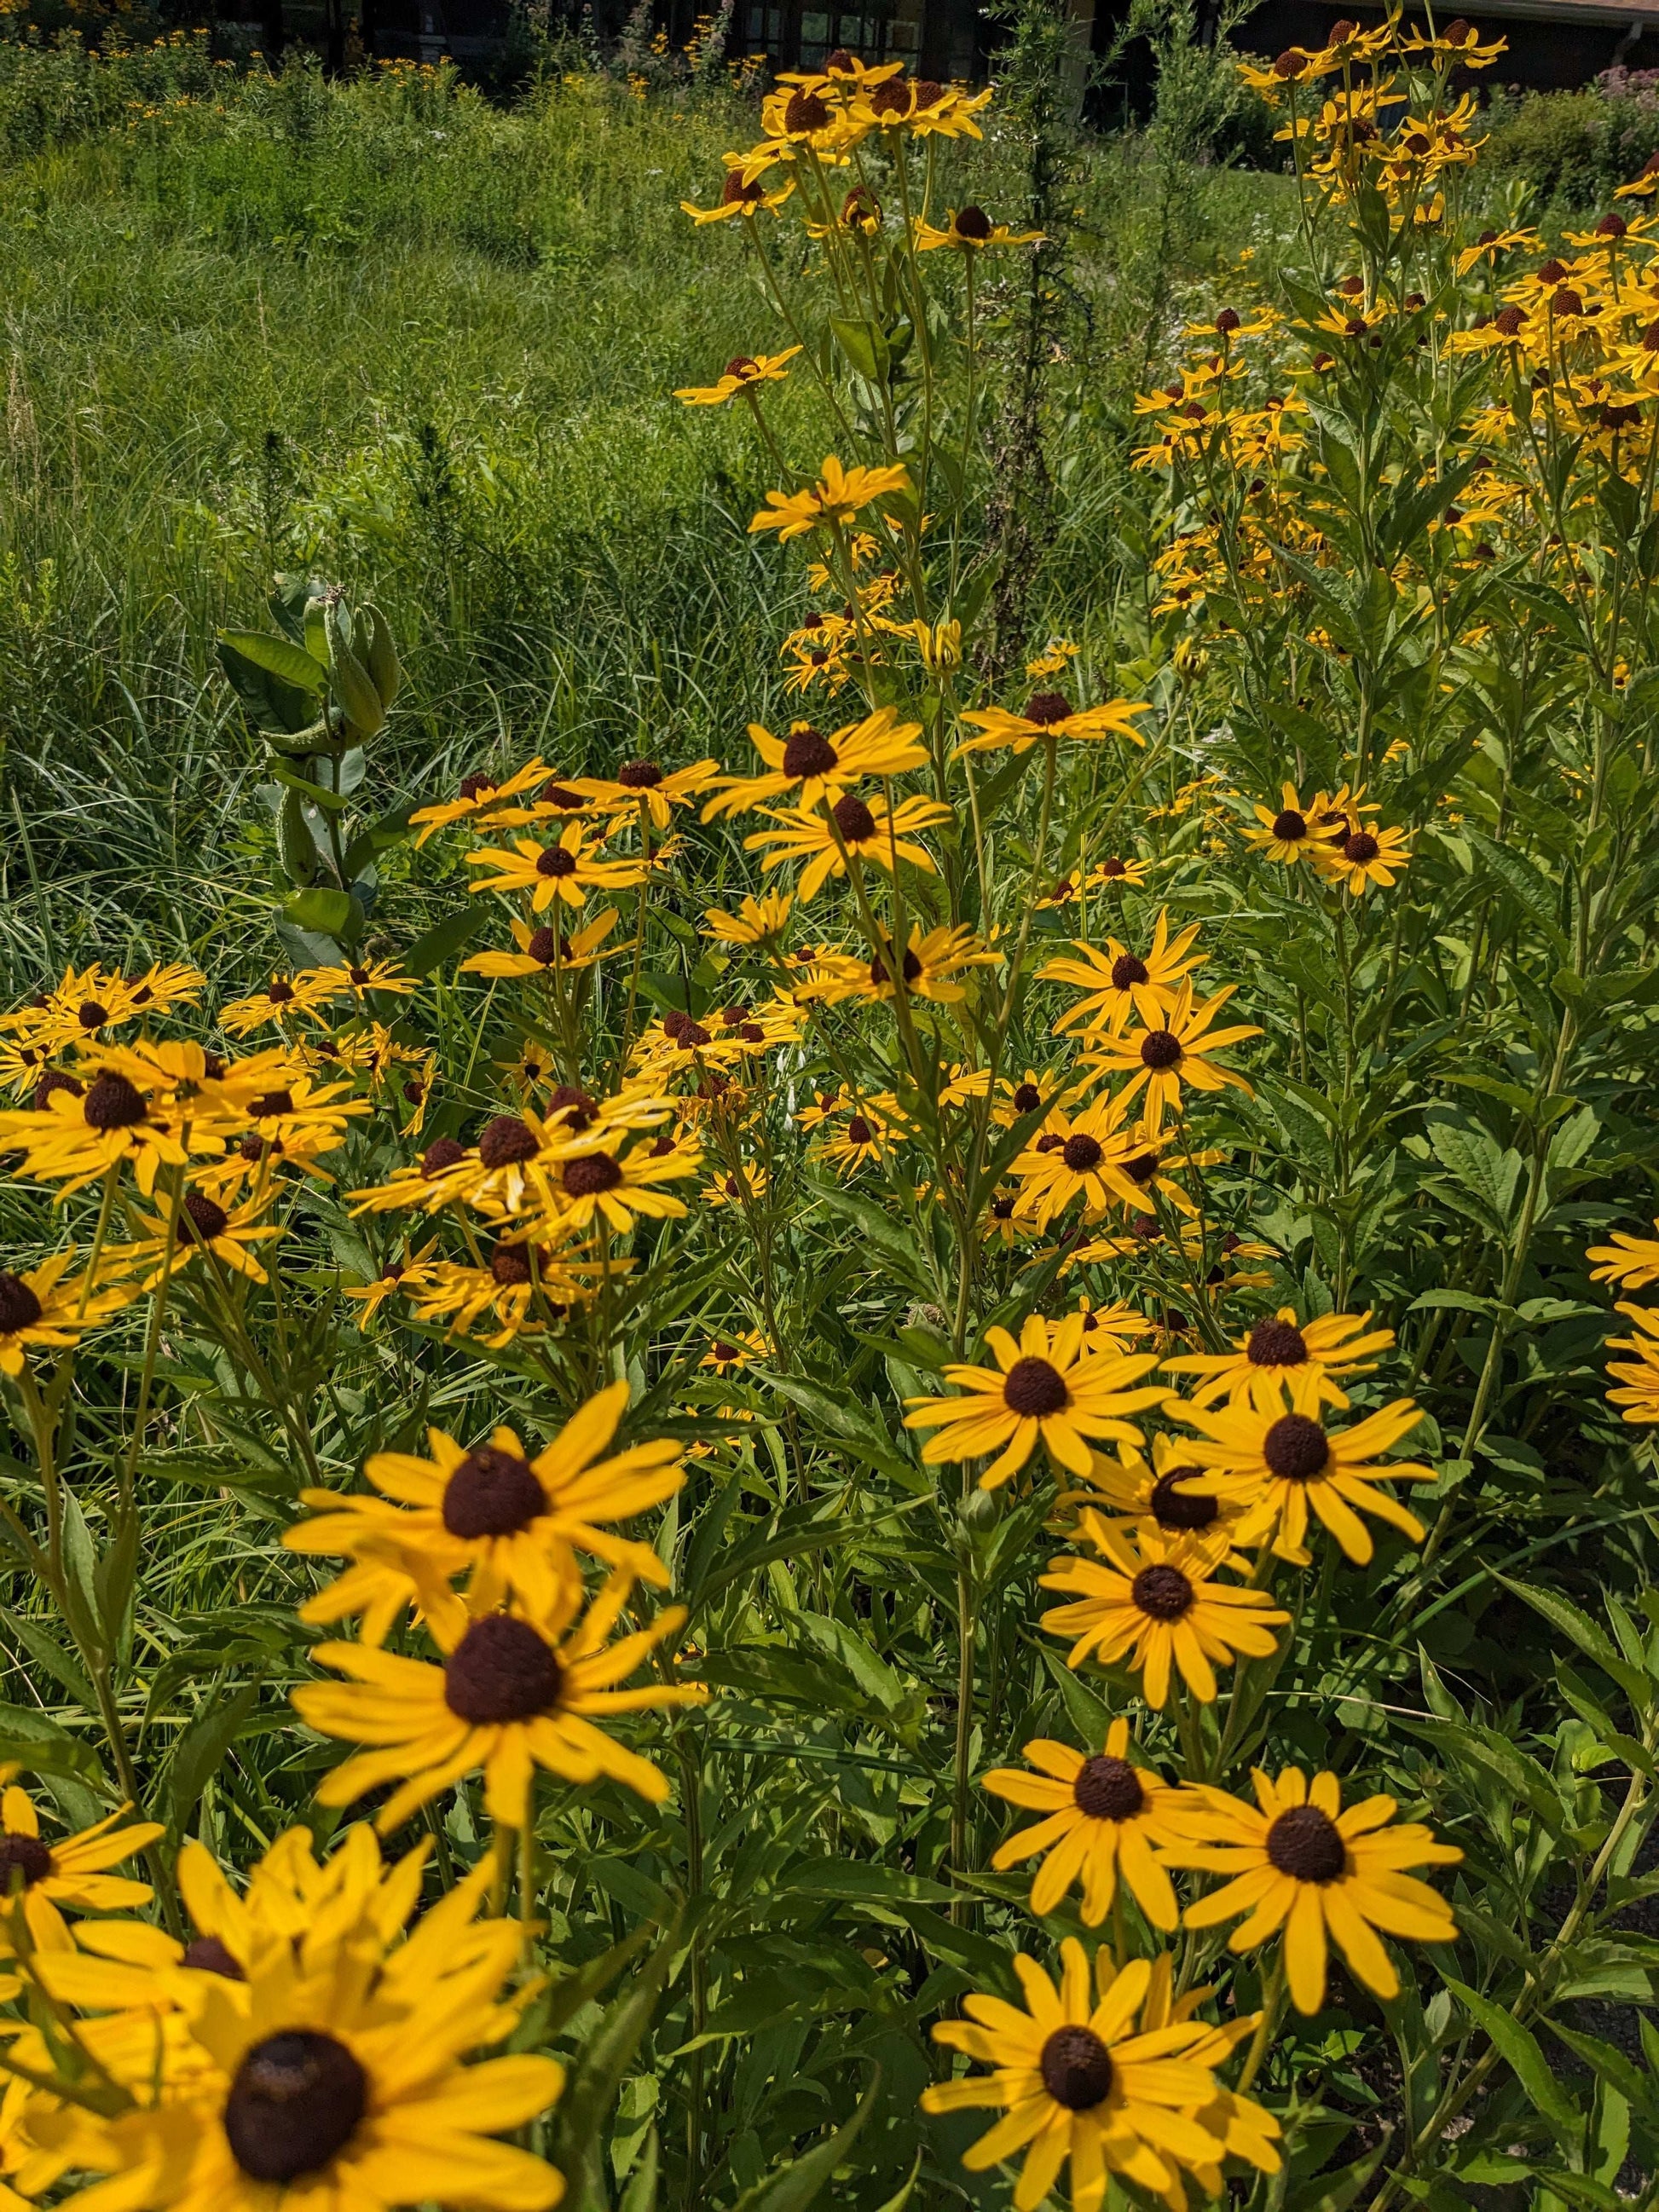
x=270 y=1103
x=54 y=1080
x=973 y=223
x=724 y=1352
x=808 y=752
x=509 y=1266
x=806 y=111
x=1176 y=1508
x=295 y=2103
x=1276 y=1344
x=544 y=945
x=19 y=1308
x=1046 y=708
x=441 y=1154
x=1360 y=848
x=740 y=191
x=556 y=862
x=1295 y=1448
x=209 y=1956
x=280 y=992
x=1113 y=868
x=1162 y=1593
x=1289 y=827
x=1034 y=1389
x=1128 y=970
x=1077 y=2069
x=1141 y=1169
x=206 y=1218
x=1027 y=1098
x=1081 y=1153
x=24 y=1860
x=1303 y=1844
x=1108 y=1788
x=91 y=1015
x=878 y=974
x=859 y=1131
x=506 y=1140
x=891 y=97
x=587 y=1177
x=555 y=794
x=576 y=1106
x=856 y=824
x=1160 y=1048
x=113 y=1103
x=492 y=1493
x=640 y=775
x=476 y=785
x=502 y=1670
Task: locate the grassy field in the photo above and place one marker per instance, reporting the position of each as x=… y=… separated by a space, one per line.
x=392 y=334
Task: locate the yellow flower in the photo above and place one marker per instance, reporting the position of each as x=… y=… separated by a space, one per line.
x=1118 y=982
x=1081 y=1155
x=970 y=230
x=512 y=1693
x=204 y=1225
x=83 y=1134
x=1105 y=1814
x=39 y=1308
x=1075 y=2081
x=567 y=870
x=816 y=768
x=545 y=950
x=932 y=960
x=757 y=921
x=1284 y=1350
x=639 y=787
x=72 y=1872
x=1276 y=1464
x=513 y=1524
x=742 y=375
x=1156 y=1605
x=1050 y=715
x=741 y=195
x=396 y=1279
x=835 y=500
x=1169 y=1492
x=823 y=839
x=1364 y=857
x=326 y=2070
x=594 y=1173
x=1044 y=1387
x=480 y=795
x=283 y=998
x=1632 y=1263
x=1177 y=1052
x=1301 y=1863
x=1639 y=1397
x=1288 y=835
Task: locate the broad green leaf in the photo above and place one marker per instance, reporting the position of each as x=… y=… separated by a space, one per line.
x=1518 y=2047
x=801 y=2183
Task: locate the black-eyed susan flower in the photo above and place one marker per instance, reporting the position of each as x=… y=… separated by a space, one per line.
x=517 y=1280
x=544 y=950
x=327 y=2070
x=741 y=195
x=645 y=788
x=968 y=230
x=1118 y=983
x=1050 y=715
x=83 y=1134
x=512 y=1522
x=729 y=1355
x=1155 y=1605
x=816 y=768
x=1045 y=1388
x=835 y=500
x=1300 y=1863
x=1079 y=1156
x=567 y=870
x=1282 y=1350
x=72 y=1872
x=932 y=961
x=823 y=837
x=1179 y=1051
x=1637 y=1397
x=1105 y=1812
x=231 y=1234
x=618 y=1179
x=1366 y=857
x=1279 y=1464
x=284 y=998
x=757 y=921
x=512 y=1693
x=740 y=376
x=480 y=795
x=45 y=1308
x=1632 y=1263
x=1169 y=1491
x=1075 y=2081
x=398 y=1278
x=1287 y=833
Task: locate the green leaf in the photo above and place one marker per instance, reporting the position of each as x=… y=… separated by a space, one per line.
x=800 y=2183
x=445 y=939
x=1561 y=1613
x=47 y=1652
x=577 y=2132
x=1518 y=2047
x=290 y=664
x=202 y=1751
x=328 y=913
x=1329 y=2192
x=28 y=1739
x=865 y=347
x=554 y=2011
x=862 y=1882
